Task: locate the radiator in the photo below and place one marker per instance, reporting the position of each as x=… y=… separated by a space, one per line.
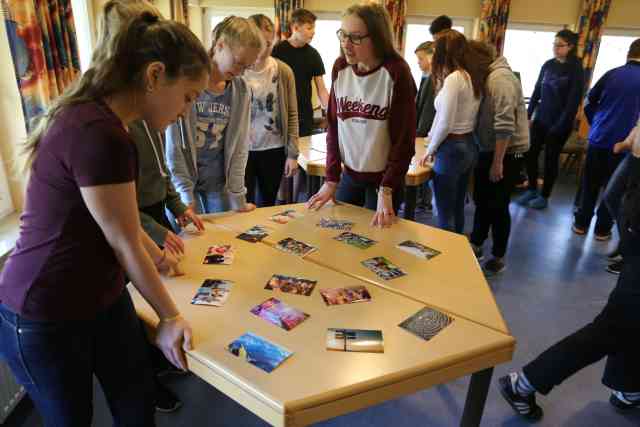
x=10 y=392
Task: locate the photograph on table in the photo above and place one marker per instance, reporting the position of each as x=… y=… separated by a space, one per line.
x=291 y=285
x=280 y=314
x=285 y=216
x=383 y=268
x=348 y=295
x=254 y=234
x=426 y=323
x=213 y=292
x=336 y=224
x=295 y=247
x=356 y=240
x=219 y=254
x=259 y=351
x=356 y=340
x=418 y=249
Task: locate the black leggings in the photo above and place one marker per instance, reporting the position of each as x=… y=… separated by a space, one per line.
x=552 y=143
x=264 y=173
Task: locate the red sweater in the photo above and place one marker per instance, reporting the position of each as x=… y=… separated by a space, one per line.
x=372 y=122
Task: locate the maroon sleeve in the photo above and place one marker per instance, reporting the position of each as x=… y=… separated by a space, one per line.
x=402 y=124
x=334 y=162
x=102 y=154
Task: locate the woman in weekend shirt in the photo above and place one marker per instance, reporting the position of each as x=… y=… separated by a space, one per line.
x=461 y=78
x=372 y=117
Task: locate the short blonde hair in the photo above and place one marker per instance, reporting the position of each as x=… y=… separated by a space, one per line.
x=237 y=32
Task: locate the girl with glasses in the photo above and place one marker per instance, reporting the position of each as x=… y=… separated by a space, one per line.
x=207 y=148
x=371 y=115
x=552 y=111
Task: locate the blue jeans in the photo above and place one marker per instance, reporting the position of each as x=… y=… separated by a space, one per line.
x=212 y=202
x=56 y=361
x=452 y=169
x=363 y=194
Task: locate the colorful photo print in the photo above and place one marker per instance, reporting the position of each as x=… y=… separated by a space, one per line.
x=426 y=323
x=418 y=249
x=336 y=224
x=356 y=240
x=219 y=254
x=383 y=268
x=349 y=295
x=291 y=285
x=213 y=292
x=280 y=314
x=254 y=234
x=285 y=216
x=259 y=352
x=358 y=340
x=294 y=247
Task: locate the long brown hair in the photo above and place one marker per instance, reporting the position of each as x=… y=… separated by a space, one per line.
x=453 y=54
x=236 y=32
x=142 y=40
x=378 y=23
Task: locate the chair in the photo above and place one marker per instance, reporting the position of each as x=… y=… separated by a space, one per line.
x=575 y=151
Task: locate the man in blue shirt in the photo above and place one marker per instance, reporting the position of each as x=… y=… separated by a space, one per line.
x=612 y=109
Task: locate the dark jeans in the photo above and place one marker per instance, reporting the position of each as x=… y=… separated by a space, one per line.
x=56 y=361
x=600 y=165
x=264 y=173
x=452 y=169
x=613 y=333
x=364 y=194
x=492 y=201
x=552 y=144
x=616 y=188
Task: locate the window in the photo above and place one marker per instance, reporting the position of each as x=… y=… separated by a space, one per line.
x=327 y=44
x=527 y=49
x=81 y=11
x=418 y=33
x=612 y=53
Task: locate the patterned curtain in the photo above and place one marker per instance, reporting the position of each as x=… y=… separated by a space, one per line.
x=590 y=26
x=180 y=11
x=494 y=16
x=398 y=12
x=283 y=9
x=42 y=40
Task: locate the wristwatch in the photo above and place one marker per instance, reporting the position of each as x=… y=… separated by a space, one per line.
x=387 y=191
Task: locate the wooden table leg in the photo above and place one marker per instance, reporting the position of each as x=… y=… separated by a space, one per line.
x=410 y=198
x=476 y=398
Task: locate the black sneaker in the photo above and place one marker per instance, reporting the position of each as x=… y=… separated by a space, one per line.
x=493 y=267
x=621 y=403
x=526 y=407
x=615 y=255
x=166 y=400
x=615 y=268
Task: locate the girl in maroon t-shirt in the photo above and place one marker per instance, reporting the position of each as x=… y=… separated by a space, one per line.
x=65 y=314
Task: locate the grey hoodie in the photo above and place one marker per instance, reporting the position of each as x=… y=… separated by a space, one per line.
x=503 y=114
x=181 y=151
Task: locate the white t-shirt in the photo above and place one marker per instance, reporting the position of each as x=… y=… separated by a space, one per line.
x=266 y=132
x=456 y=109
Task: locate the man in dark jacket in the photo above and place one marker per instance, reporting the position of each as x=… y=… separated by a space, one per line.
x=425 y=110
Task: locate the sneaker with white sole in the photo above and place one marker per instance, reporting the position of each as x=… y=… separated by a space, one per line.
x=525 y=197
x=526 y=407
x=620 y=401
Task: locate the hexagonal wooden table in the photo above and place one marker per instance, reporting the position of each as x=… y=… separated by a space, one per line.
x=316 y=384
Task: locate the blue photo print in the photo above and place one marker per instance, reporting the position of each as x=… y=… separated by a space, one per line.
x=259 y=352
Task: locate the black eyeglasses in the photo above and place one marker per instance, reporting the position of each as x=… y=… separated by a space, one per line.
x=356 y=39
